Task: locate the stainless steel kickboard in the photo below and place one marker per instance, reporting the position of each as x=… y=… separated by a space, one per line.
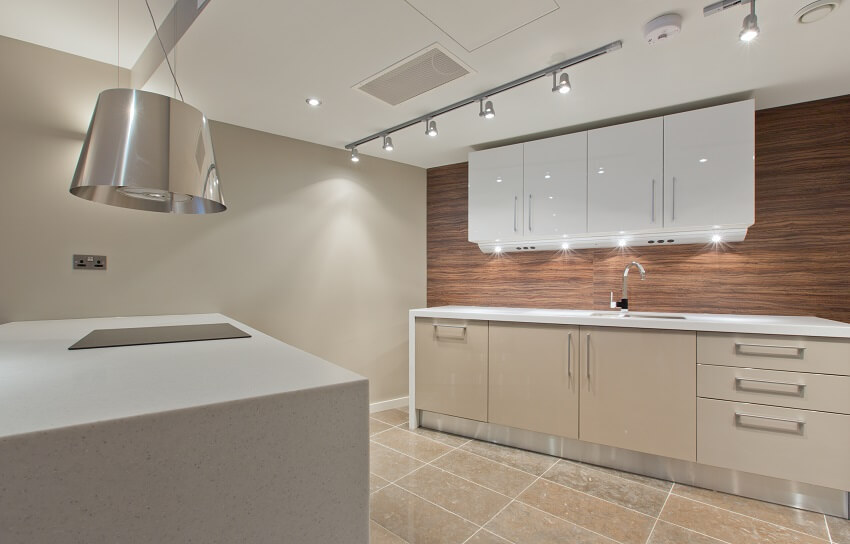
x=137 y=336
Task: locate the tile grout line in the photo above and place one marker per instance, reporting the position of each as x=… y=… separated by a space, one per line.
x=752 y=517
x=595 y=468
x=828 y=532
x=550 y=514
x=557 y=460
x=667 y=498
x=543 y=476
x=695 y=531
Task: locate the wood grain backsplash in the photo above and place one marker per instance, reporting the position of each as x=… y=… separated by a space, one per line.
x=795 y=260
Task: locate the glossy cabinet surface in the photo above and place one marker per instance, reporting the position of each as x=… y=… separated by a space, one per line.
x=798 y=445
x=451 y=367
x=709 y=174
x=496 y=194
x=638 y=390
x=555 y=182
x=625 y=177
x=534 y=377
x=775 y=352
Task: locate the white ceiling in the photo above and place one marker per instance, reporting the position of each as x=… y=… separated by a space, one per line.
x=253 y=62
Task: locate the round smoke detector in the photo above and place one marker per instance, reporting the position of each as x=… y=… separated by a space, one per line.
x=816 y=11
x=662 y=28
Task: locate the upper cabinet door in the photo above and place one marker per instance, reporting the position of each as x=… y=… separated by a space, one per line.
x=495 y=194
x=555 y=201
x=709 y=174
x=625 y=177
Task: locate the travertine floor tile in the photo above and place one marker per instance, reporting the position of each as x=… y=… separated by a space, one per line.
x=535 y=463
x=839 y=529
x=391 y=417
x=376 y=483
x=486 y=537
x=522 y=524
x=379 y=535
x=662 y=485
x=412 y=444
x=464 y=498
x=444 y=438
x=376 y=426
x=388 y=464
x=605 y=485
x=666 y=533
x=505 y=480
x=728 y=526
x=799 y=520
x=603 y=517
x=416 y=520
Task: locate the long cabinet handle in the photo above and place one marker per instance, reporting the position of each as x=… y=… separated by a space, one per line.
x=800 y=386
x=653 y=201
x=530 y=228
x=798 y=422
x=673 y=211
x=587 y=342
x=569 y=355
x=516 y=199
x=739 y=348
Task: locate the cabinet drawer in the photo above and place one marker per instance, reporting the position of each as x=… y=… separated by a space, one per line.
x=797 y=445
x=789 y=389
x=775 y=352
x=451 y=367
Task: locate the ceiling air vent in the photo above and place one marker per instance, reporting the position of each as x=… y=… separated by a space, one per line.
x=418 y=73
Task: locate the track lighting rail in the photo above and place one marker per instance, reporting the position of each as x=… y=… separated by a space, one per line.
x=613 y=46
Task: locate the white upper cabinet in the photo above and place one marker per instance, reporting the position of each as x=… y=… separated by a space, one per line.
x=625 y=177
x=555 y=200
x=495 y=194
x=709 y=174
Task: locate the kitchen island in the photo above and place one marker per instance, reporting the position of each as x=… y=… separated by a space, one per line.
x=238 y=440
x=754 y=405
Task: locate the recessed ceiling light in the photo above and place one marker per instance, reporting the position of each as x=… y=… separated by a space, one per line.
x=816 y=11
x=703 y=160
x=315 y=102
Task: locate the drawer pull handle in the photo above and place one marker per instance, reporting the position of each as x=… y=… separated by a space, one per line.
x=569 y=355
x=797 y=422
x=739 y=384
x=438 y=325
x=587 y=340
x=798 y=351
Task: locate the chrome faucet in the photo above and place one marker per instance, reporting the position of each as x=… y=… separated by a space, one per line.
x=623 y=304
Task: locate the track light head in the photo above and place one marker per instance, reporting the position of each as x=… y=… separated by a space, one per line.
x=750 y=29
x=431 y=127
x=562 y=84
x=486 y=109
x=355 y=156
x=388 y=143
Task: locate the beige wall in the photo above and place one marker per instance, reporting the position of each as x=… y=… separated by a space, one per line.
x=322 y=254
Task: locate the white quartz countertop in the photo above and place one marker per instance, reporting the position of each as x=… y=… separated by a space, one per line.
x=752 y=324
x=44 y=386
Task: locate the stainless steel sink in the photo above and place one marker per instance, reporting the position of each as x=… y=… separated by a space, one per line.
x=615 y=315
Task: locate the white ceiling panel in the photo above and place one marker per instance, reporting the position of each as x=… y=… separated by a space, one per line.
x=253 y=63
x=475 y=23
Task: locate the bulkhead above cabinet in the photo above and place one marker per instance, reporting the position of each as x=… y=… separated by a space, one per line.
x=686 y=178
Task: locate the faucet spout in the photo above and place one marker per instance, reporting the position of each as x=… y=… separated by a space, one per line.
x=629 y=266
x=623 y=304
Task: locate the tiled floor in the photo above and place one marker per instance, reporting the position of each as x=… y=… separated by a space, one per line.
x=435 y=488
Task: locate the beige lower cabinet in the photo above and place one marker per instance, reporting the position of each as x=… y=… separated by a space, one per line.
x=534 y=370
x=451 y=367
x=792 y=444
x=638 y=390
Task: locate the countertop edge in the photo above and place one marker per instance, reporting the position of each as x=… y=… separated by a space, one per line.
x=703 y=324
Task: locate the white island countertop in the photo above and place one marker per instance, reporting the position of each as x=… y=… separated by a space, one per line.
x=731 y=323
x=45 y=386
